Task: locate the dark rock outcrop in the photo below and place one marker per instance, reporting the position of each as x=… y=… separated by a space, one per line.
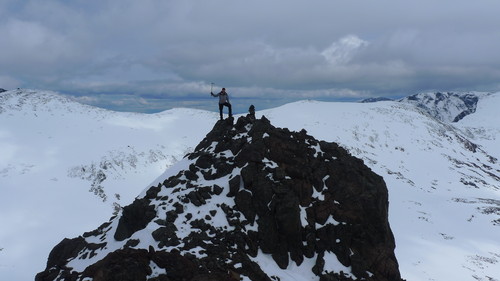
x=446 y=107
x=249 y=190
x=368 y=100
x=134 y=217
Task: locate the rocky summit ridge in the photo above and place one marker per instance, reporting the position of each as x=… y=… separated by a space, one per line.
x=447 y=107
x=250 y=203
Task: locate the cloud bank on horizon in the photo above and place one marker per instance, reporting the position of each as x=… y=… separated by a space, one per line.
x=143 y=54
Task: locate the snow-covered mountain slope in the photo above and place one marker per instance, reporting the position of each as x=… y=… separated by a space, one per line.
x=444 y=190
x=239 y=205
x=447 y=107
x=483 y=127
x=444 y=197
x=53 y=151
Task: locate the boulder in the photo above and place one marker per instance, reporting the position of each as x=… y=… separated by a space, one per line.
x=249 y=190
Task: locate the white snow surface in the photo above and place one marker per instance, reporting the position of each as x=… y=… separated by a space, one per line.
x=444 y=197
x=52 y=149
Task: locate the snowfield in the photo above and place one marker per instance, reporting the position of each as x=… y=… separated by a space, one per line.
x=66 y=167
x=444 y=199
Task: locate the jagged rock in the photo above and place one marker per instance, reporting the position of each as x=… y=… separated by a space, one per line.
x=134 y=264
x=166 y=236
x=134 y=217
x=243 y=202
x=234 y=186
x=153 y=191
x=446 y=107
x=375 y=99
x=131 y=243
x=248 y=190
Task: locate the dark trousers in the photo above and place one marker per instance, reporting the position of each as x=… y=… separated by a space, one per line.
x=221 y=106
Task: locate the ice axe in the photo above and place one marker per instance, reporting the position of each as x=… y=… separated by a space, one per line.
x=211 y=87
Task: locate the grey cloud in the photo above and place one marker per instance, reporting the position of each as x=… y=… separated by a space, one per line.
x=259 y=64
x=27 y=45
x=281 y=49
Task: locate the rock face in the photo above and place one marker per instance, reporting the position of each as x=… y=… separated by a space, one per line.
x=368 y=100
x=446 y=107
x=249 y=202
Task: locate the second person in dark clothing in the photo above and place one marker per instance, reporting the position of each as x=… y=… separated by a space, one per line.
x=223 y=101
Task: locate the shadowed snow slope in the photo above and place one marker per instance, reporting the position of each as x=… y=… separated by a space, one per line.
x=442 y=177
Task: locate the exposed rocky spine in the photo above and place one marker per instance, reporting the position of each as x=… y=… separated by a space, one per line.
x=446 y=107
x=248 y=190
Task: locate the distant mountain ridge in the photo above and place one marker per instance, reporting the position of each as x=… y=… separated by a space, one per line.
x=34 y=100
x=375 y=99
x=446 y=107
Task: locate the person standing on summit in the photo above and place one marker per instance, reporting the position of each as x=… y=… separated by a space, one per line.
x=223 y=101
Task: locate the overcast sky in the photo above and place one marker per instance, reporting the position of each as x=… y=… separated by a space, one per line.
x=152 y=55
